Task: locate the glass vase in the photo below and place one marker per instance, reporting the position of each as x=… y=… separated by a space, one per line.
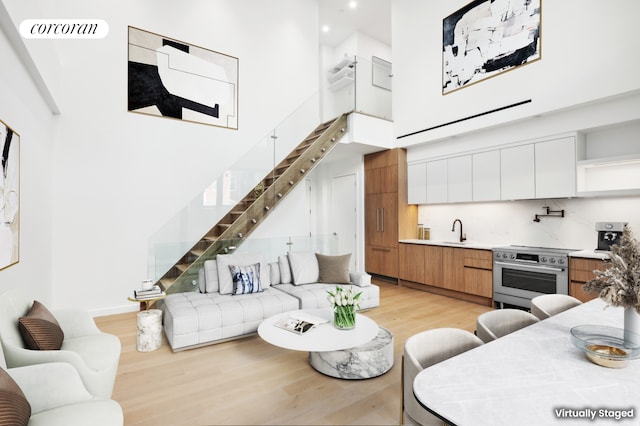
x=344 y=317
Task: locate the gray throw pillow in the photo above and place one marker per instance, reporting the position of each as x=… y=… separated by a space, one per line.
x=334 y=269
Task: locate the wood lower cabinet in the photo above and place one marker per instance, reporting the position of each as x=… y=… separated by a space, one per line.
x=388 y=216
x=457 y=272
x=581 y=271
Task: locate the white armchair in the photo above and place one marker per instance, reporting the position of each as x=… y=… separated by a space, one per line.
x=94 y=354
x=58 y=397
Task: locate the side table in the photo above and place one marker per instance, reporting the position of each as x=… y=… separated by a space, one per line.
x=149 y=336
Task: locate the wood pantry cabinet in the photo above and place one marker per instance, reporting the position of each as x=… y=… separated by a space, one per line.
x=456 y=272
x=388 y=216
x=581 y=271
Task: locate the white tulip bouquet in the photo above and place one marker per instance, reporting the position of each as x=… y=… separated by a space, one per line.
x=344 y=302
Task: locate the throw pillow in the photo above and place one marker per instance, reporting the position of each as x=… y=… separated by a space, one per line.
x=285 y=269
x=274 y=273
x=334 y=269
x=304 y=267
x=40 y=330
x=224 y=274
x=246 y=279
x=14 y=407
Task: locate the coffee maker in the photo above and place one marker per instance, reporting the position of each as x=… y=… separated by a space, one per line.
x=609 y=233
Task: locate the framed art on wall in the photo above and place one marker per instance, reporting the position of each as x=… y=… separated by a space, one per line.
x=171 y=78
x=9 y=196
x=486 y=38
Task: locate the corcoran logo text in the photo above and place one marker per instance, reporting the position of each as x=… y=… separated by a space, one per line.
x=64 y=28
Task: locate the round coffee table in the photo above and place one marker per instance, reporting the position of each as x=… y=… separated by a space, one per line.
x=360 y=353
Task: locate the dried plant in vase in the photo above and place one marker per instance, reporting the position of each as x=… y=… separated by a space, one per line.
x=619 y=284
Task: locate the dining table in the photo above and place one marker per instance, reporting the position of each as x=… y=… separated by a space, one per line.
x=534 y=376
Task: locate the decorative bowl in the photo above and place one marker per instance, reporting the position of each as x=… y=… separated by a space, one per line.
x=606 y=346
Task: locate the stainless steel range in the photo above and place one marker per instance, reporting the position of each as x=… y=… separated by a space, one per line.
x=521 y=273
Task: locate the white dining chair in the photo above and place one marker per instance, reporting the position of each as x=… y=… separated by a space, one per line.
x=500 y=322
x=548 y=305
x=423 y=350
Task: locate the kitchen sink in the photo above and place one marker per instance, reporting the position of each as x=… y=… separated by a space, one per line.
x=457 y=243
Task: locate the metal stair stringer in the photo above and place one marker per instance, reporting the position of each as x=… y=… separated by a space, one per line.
x=245 y=217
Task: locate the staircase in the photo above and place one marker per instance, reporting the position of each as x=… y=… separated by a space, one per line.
x=245 y=216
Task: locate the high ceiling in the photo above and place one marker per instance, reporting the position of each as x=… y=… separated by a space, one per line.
x=370 y=17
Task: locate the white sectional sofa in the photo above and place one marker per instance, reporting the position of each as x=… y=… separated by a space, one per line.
x=214 y=313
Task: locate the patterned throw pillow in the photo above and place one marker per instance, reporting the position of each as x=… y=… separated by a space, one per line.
x=40 y=330
x=246 y=279
x=14 y=407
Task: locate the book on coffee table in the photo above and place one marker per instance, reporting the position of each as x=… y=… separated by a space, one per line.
x=299 y=322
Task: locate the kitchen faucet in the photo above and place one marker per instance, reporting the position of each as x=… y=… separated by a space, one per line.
x=453 y=228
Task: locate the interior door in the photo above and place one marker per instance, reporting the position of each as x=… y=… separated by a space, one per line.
x=344 y=216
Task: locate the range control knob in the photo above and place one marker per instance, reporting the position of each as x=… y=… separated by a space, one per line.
x=543 y=259
x=513 y=256
x=561 y=261
x=552 y=260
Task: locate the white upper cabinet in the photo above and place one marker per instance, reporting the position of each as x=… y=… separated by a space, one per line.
x=437 y=181
x=459 y=175
x=486 y=176
x=417 y=183
x=517 y=168
x=555 y=168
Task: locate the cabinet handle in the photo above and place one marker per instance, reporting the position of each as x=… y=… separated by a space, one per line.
x=377 y=219
x=380 y=249
x=382 y=220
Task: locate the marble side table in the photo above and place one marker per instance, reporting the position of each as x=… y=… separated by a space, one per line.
x=149 y=336
x=366 y=361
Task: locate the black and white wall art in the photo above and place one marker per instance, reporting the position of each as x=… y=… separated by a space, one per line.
x=487 y=37
x=170 y=78
x=9 y=196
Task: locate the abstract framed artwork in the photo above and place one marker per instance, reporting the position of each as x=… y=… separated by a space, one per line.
x=488 y=37
x=9 y=197
x=174 y=79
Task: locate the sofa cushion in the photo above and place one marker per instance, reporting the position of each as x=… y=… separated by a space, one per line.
x=274 y=273
x=246 y=279
x=14 y=407
x=334 y=269
x=304 y=267
x=39 y=329
x=224 y=273
x=209 y=277
x=285 y=269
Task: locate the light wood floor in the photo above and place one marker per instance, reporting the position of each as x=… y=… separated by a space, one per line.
x=250 y=382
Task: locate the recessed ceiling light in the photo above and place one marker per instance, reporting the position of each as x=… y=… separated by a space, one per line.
x=325 y=28
x=353 y=4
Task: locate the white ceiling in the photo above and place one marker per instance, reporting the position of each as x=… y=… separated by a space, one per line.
x=370 y=17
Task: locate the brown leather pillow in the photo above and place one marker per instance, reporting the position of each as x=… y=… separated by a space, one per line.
x=334 y=269
x=40 y=330
x=14 y=407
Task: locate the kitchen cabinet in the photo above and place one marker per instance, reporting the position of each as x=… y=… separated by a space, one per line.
x=456 y=272
x=388 y=216
x=437 y=181
x=581 y=271
x=555 y=168
x=478 y=272
x=459 y=177
x=417 y=183
x=517 y=172
x=486 y=176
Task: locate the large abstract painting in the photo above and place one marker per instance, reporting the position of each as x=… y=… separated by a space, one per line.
x=170 y=78
x=487 y=37
x=9 y=197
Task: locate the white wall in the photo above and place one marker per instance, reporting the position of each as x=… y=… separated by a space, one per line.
x=589 y=52
x=118 y=176
x=24 y=110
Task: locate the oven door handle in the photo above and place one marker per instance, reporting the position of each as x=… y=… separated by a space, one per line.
x=530 y=267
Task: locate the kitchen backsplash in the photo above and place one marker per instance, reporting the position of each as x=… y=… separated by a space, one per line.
x=511 y=222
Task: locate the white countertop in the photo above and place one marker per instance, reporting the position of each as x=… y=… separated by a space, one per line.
x=524 y=377
x=589 y=254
